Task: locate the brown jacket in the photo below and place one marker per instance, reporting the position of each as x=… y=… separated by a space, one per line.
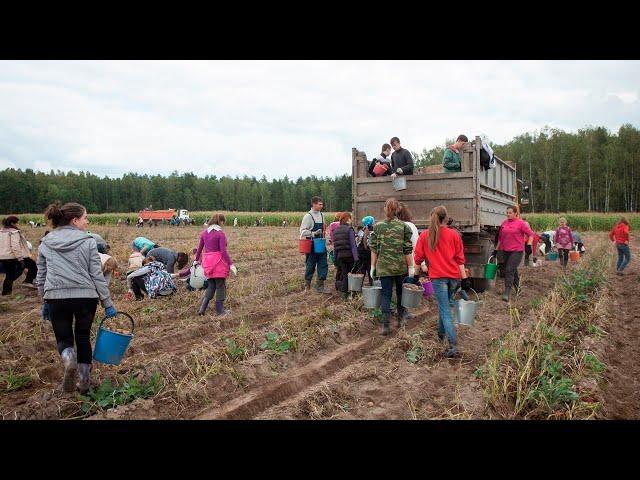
x=13 y=244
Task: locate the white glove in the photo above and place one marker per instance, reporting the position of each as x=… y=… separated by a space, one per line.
x=373 y=271
x=234 y=270
x=399 y=171
x=196 y=262
x=424 y=268
x=412 y=271
x=394 y=175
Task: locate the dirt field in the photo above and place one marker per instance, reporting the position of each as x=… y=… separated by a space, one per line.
x=284 y=353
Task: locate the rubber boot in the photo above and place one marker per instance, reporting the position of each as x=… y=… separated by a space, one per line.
x=320 y=288
x=204 y=305
x=345 y=296
x=385 y=324
x=220 y=307
x=70 y=368
x=84 y=374
x=403 y=316
x=307 y=285
x=453 y=352
x=505 y=295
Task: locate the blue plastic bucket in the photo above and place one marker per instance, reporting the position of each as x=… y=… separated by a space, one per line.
x=319 y=245
x=111 y=346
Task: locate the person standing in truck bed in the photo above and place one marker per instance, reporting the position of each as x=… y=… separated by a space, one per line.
x=401 y=159
x=451 y=160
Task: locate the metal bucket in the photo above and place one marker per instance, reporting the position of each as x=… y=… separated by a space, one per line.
x=411 y=298
x=377 y=283
x=372 y=296
x=465 y=310
x=355 y=281
x=399 y=183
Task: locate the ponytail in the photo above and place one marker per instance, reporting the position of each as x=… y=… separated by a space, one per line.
x=62 y=216
x=391 y=208
x=438 y=216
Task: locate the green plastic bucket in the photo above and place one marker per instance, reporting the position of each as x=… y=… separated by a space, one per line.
x=490 y=269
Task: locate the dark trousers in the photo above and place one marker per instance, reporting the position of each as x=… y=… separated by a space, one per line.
x=218 y=287
x=364 y=264
x=137 y=285
x=62 y=314
x=387 y=292
x=564 y=256
x=13 y=268
x=511 y=262
x=343 y=267
x=313 y=259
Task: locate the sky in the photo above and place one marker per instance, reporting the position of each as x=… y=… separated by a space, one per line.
x=293 y=118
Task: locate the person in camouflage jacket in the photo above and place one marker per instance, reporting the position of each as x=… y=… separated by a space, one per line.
x=391 y=250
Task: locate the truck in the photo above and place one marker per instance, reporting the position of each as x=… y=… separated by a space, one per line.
x=156 y=216
x=475 y=198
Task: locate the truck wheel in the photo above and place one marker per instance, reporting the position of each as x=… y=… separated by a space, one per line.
x=479 y=284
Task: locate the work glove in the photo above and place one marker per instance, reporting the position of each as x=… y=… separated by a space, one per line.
x=110 y=312
x=234 y=270
x=399 y=171
x=316 y=233
x=494 y=253
x=373 y=271
x=412 y=271
x=527 y=249
x=465 y=284
x=45 y=312
x=394 y=175
x=196 y=262
x=416 y=279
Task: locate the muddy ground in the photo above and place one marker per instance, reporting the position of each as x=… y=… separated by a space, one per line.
x=332 y=363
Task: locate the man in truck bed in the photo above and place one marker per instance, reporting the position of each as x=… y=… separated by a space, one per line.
x=401 y=159
x=451 y=159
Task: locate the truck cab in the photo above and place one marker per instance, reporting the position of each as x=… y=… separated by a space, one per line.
x=476 y=200
x=183 y=214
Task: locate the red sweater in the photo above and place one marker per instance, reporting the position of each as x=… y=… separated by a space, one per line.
x=445 y=261
x=619 y=233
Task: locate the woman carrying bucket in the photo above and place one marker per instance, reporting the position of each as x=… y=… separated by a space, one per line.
x=512 y=232
x=441 y=248
x=564 y=241
x=345 y=251
x=390 y=260
x=215 y=262
x=70 y=280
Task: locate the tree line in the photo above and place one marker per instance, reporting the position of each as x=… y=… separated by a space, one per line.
x=590 y=170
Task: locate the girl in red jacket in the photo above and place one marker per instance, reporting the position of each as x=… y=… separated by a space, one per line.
x=619 y=235
x=441 y=248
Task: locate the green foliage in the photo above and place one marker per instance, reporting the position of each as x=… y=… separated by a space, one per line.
x=109 y=396
x=593 y=363
x=15 y=382
x=276 y=344
x=234 y=350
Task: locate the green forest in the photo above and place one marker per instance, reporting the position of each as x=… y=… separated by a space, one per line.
x=590 y=170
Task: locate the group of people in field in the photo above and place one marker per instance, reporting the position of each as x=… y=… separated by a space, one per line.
x=74 y=269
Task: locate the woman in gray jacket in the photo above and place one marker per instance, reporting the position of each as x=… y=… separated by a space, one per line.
x=70 y=280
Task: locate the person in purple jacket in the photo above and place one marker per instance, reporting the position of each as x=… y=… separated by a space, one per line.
x=346 y=253
x=213 y=240
x=564 y=242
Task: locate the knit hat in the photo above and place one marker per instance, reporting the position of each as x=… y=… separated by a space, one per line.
x=368 y=220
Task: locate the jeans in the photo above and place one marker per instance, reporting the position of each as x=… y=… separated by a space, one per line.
x=564 y=256
x=313 y=259
x=624 y=256
x=387 y=292
x=13 y=268
x=445 y=289
x=343 y=268
x=217 y=286
x=62 y=312
x=511 y=262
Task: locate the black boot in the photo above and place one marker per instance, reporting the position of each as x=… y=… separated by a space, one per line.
x=385 y=324
x=204 y=305
x=307 y=285
x=507 y=292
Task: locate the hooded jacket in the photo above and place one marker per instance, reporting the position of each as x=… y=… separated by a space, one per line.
x=69 y=267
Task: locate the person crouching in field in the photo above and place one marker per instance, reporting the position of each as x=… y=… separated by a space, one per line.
x=441 y=248
x=109 y=265
x=15 y=255
x=169 y=258
x=564 y=241
x=390 y=260
x=152 y=279
x=215 y=262
x=619 y=235
x=346 y=253
x=143 y=245
x=70 y=280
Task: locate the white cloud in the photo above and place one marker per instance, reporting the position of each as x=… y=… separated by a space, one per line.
x=287 y=117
